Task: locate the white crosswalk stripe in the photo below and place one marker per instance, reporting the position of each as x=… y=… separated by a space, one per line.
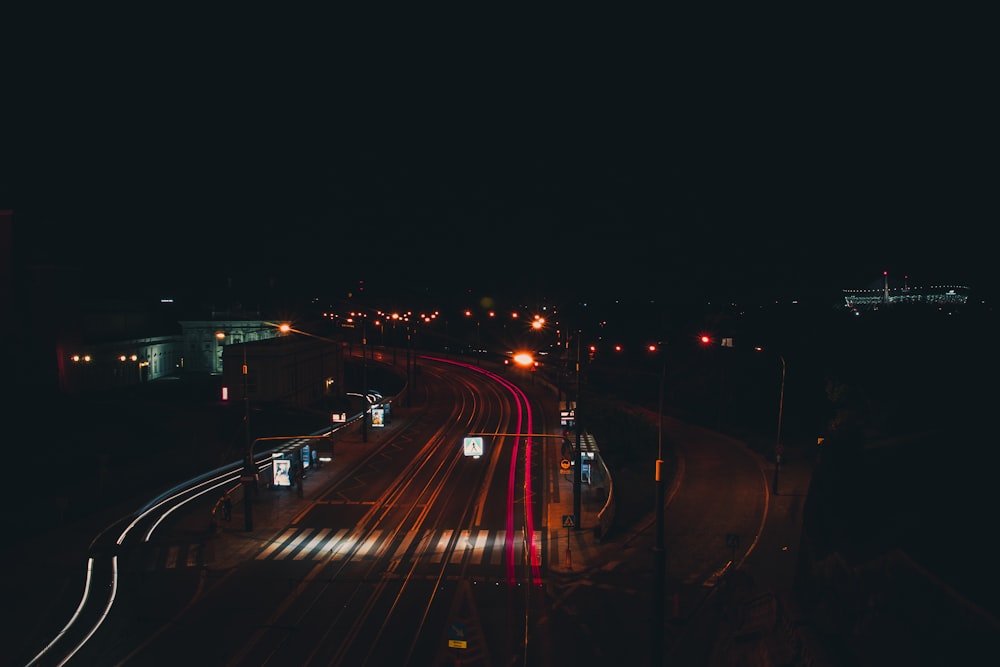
x=313 y=543
x=480 y=549
x=442 y=546
x=172 y=557
x=294 y=544
x=476 y=547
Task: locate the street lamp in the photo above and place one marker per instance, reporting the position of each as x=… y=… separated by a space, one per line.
x=249 y=477
x=578 y=423
x=778 y=447
x=659 y=548
x=364 y=375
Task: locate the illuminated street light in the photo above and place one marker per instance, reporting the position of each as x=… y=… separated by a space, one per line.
x=364 y=375
x=524 y=359
x=659 y=548
x=778 y=447
x=249 y=477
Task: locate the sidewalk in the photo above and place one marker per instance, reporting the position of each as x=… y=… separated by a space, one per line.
x=275 y=508
x=753 y=613
x=574 y=541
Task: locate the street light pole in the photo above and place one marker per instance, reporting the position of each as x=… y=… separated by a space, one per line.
x=578 y=464
x=659 y=548
x=364 y=376
x=249 y=472
x=778 y=449
x=409 y=370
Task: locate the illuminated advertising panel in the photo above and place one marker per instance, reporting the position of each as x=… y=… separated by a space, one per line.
x=282 y=472
x=378 y=418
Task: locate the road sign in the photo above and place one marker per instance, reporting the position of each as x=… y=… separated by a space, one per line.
x=473 y=446
x=569 y=521
x=565 y=464
x=456 y=635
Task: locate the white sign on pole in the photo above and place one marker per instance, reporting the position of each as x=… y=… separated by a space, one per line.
x=473 y=446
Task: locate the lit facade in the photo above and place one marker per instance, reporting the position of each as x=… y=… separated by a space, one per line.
x=885 y=294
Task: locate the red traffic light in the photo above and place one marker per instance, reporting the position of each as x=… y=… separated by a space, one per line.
x=705 y=340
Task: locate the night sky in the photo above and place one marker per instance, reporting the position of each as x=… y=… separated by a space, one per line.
x=537 y=157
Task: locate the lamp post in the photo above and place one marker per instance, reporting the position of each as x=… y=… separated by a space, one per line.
x=364 y=375
x=778 y=449
x=578 y=456
x=659 y=548
x=409 y=371
x=249 y=477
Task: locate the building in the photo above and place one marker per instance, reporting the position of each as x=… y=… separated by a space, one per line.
x=288 y=368
x=292 y=368
x=886 y=293
x=204 y=340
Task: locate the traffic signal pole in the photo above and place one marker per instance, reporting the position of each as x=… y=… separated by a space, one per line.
x=249 y=477
x=778 y=448
x=659 y=548
x=578 y=456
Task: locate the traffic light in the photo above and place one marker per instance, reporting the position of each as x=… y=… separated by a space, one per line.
x=705 y=339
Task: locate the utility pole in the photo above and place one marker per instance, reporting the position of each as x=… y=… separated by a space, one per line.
x=364 y=376
x=409 y=370
x=659 y=549
x=249 y=470
x=778 y=449
x=578 y=464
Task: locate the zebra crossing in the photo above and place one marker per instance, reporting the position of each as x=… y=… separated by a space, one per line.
x=477 y=547
x=173 y=557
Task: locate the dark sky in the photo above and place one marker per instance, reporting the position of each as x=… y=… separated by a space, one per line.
x=535 y=156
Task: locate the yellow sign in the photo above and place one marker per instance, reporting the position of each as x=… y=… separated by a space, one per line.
x=456 y=635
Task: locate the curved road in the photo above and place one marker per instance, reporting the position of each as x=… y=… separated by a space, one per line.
x=418 y=543
x=379 y=566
